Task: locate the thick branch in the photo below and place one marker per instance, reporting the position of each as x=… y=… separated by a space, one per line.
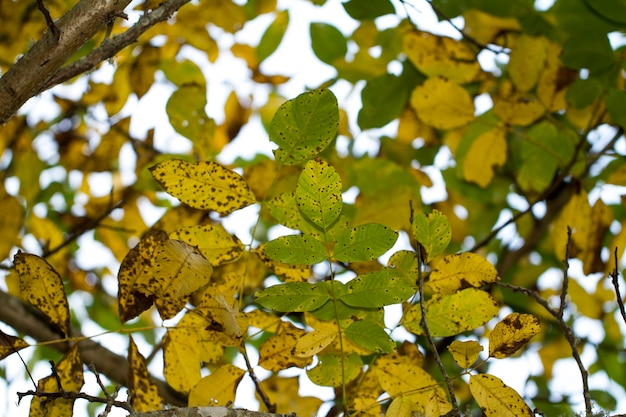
x=24 y=320
x=28 y=76
x=112 y=46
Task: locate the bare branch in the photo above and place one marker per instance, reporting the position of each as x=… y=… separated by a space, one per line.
x=614 y=279
x=33 y=70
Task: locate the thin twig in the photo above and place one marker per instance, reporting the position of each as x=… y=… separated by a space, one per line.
x=46 y=14
x=614 y=279
x=424 y=324
x=271 y=407
x=565 y=284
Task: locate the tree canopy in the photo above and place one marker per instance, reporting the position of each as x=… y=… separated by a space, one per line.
x=481 y=229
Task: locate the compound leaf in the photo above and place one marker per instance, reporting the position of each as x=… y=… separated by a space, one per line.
x=364 y=242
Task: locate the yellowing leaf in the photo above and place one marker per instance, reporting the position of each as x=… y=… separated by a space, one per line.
x=438 y=55
x=316 y=341
x=41 y=286
x=442 y=103
x=319 y=193
x=185 y=347
x=401 y=407
x=496 y=399
x=510 y=334
x=284 y=393
x=204 y=185
x=465 y=353
x=433 y=232
x=224 y=317
x=459 y=271
x=179 y=269
x=216 y=244
x=275 y=353
x=486 y=153
x=485 y=28
x=577 y=215
x=518 y=110
x=10 y=344
x=217 y=389
x=70 y=373
x=527 y=60
x=146 y=395
x=335 y=370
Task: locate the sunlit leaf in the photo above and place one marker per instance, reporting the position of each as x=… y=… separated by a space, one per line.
x=433 y=232
x=369 y=335
x=459 y=271
x=334 y=370
x=510 y=334
x=273 y=35
x=276 y=353
x=218 y=388
x=204 y=185
x=486 y=154
x=401 y=407
x=296 y=249
x=318 y=193
x=283 y=391
x=526 y=62
x=41 y=286
x=215 y=243
x=497 y=399
x=304 y=126
x=442 y=103
x=364 y=242
x=146 y=395
x=316 y=341
x=294 y=296
x=378 y=289
x=10 y=344
x=465 y=353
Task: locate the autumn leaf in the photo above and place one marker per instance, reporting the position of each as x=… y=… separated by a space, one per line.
x=276 y=353
x=216 y=244
x=510 y=334
x=433 y=232
x=204 y=185
x=465 y=353
x=218 y=388
x=442 y=103
x=496 y=399
x=459 y=271
x=335 y=370
x=146 y=395
x=41 y=286
x=10 y=344
x=318 y=193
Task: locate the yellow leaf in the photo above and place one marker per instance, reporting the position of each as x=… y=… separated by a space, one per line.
x=215 y=243
x=438 y=55
x=263 y=320
x=601 y=219
x=442 y=103
x=363 y=395
x=577 y=215
x=142 y=69
x=485 y=28
x=217 y=389
x=204 y=185
x=179 y=269
x=41 y=286
x=138 y=263
x=146 y=395
x=554 y=79
x=496 y=399
x=589 y=305
x=287 y=272
x=486 y=153
x=459 y=271
x=70 y=373
x=11 y=222
x=284 y=393
x=398 y=376
x=401 y=407
x=517 y=110
x=316 y=341
x=526 y=62
x=465 y=353
x=275 y=354
x=10 y=344
x=225 y=320
x=185 y=347
x=410 y=127
x=510 y=334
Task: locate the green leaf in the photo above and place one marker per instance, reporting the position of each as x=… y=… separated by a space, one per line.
x=587 y=50
x=581 y=93
x=383 y=99
x=433 y=232
x=615 y=103
x=183 y=73
x=328 y=42
x=364 y=242
x=294 y=296
x=453 y=314
x=273 y=35
x=304 y=126
x=185 y=109
x=329 y=370
x=368 y=9
x=319 y=193
x=377 y=289
x=369 y=335
x=296 y=249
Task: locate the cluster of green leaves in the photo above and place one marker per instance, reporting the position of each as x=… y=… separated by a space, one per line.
x=315 y=297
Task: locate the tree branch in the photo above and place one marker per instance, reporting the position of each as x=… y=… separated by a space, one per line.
x=33 y=70
x=112 y=46
x=27 y=321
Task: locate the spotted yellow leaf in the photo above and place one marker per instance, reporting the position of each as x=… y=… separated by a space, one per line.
x=218 y=388
x=42 y=286
x=527 y=60
x=510 y=334
x=465 y=353
x=314 y=342
x=283 y=391
x=204 y=185
x=146 y=395
x=442 y=103
x=459 y=271
x=497 y=399
x=10 y=344
x=215 y=243
x=275 y=353
x=486 y=153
